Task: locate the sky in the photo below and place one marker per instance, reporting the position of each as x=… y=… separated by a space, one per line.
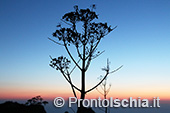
x=140 y=43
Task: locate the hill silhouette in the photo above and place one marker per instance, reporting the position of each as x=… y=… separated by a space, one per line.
x=14 y=107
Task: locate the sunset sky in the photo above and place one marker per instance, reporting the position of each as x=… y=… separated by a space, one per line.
x=141 y=43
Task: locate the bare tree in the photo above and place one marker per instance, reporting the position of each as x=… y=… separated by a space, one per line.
x=85 y=42
x=103 y=86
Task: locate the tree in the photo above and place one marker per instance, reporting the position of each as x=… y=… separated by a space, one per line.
x=85 y=43
x=104 y=88
x=38 y=100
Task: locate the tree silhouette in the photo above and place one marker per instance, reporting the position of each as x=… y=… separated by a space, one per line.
x=38 y=100
x=85 y=43
x=104 y=88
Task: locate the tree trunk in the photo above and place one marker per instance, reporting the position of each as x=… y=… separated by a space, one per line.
x=81 y=109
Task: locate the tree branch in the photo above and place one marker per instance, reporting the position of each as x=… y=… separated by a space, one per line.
x=116 y=69
x=69 y=80
x=96 y=44
x=55 y=42
x=101 y=86
x=66 y=22
x=98 y=83
x=71 y=56
x=74 y=67
x=98 y=54
x=71 y=85
x=79 y=53
x=107 y=73
x=90 y=58
x=99 y=92
x=108 y=90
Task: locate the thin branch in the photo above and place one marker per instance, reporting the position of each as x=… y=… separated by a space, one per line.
x=55 y=42
x=50 y=57
x=71 y=85
x=98 y=54
x=97 y=44
x=108 y=90
x=94 y=47
x=79 y=53
x=66 y=22
x=74 y=67
x=112 y=30
x=116 y=69
x=67 y=79
x=101 y=86
x=103 y=79
x=98 y=83
x=99 y=92
x=99 y=40
x=90 y=57
x=71 y=56
x=88 y=63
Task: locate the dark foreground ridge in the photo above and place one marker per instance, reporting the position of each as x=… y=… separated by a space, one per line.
x=14 y=107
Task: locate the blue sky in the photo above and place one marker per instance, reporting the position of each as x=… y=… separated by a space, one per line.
x=140 y=43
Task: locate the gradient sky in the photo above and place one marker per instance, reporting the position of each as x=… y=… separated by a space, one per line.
x=141 y=43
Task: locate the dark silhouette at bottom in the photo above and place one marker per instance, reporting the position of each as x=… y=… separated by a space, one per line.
x=85 y=110
x=14 y=107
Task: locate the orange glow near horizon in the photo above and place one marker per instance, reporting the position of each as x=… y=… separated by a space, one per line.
x=51 y=94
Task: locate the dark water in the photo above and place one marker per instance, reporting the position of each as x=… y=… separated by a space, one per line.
x=164 y=108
